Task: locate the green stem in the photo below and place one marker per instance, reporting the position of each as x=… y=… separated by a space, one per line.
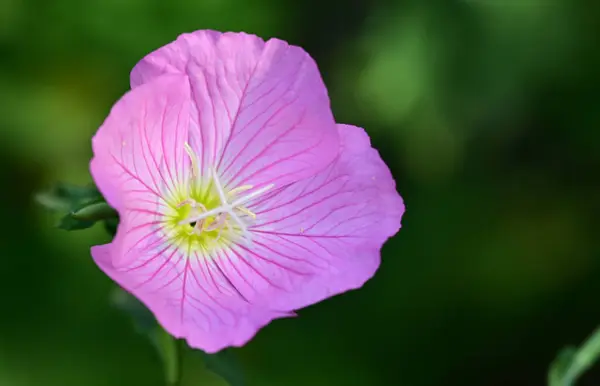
x=170 y=352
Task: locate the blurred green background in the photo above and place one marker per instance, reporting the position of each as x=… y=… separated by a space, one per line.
x=487 y=112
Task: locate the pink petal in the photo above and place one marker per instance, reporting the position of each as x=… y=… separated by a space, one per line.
x=139 y=152
x=262 y=109
x=140 y=161
x=190 y=299
x=323 y=235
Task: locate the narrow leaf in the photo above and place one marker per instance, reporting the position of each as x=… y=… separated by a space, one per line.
x=86 y=215
x=95 y=212
x=81 y=206
x=69 y=223
x=571 y=363
x=560 y=365
x=66 y=197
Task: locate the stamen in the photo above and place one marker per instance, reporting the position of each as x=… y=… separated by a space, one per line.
x=252 y=195
x=238 y=221
x=218 y=234
x=193 y=159
x=246 y=212
x=226 y=212
x=219 y=187
x=239 y=189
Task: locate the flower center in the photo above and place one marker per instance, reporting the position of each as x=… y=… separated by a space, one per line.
x=211 y=216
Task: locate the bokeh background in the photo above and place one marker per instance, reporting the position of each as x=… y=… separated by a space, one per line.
x=487 y=112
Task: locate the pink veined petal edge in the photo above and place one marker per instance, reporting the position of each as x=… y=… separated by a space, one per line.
x=257 y=113
x=226 y=329
x=139 y=159
x=261 y=108
x=321 y=236
x=139 y=150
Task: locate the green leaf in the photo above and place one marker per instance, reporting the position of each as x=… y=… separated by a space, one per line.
x=69 y=223
x=226 y=365
x=572 y=362
x=559 y=367
x=82 y=207
x=86 y=215
x=66 y=197
x=94 y=212
x=166 y=346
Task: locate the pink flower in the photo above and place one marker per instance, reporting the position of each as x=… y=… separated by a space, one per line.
x=240 y=198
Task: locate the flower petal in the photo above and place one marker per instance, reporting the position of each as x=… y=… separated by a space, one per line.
x=262 y=109
x=323 y=235
x=140 y=161
x=139 y=150
x=190 y=298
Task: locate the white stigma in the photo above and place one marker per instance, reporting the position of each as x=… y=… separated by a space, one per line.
x=226 y=209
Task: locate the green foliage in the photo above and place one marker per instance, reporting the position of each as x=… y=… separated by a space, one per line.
x=572 y=362
x=68 y=198
x=84 y=207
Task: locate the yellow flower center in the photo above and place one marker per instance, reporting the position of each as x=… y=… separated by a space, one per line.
x=206 y=215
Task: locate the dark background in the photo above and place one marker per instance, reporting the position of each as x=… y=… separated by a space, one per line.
x=487 y=112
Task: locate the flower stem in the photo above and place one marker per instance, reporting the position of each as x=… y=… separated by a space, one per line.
x=170 y=352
